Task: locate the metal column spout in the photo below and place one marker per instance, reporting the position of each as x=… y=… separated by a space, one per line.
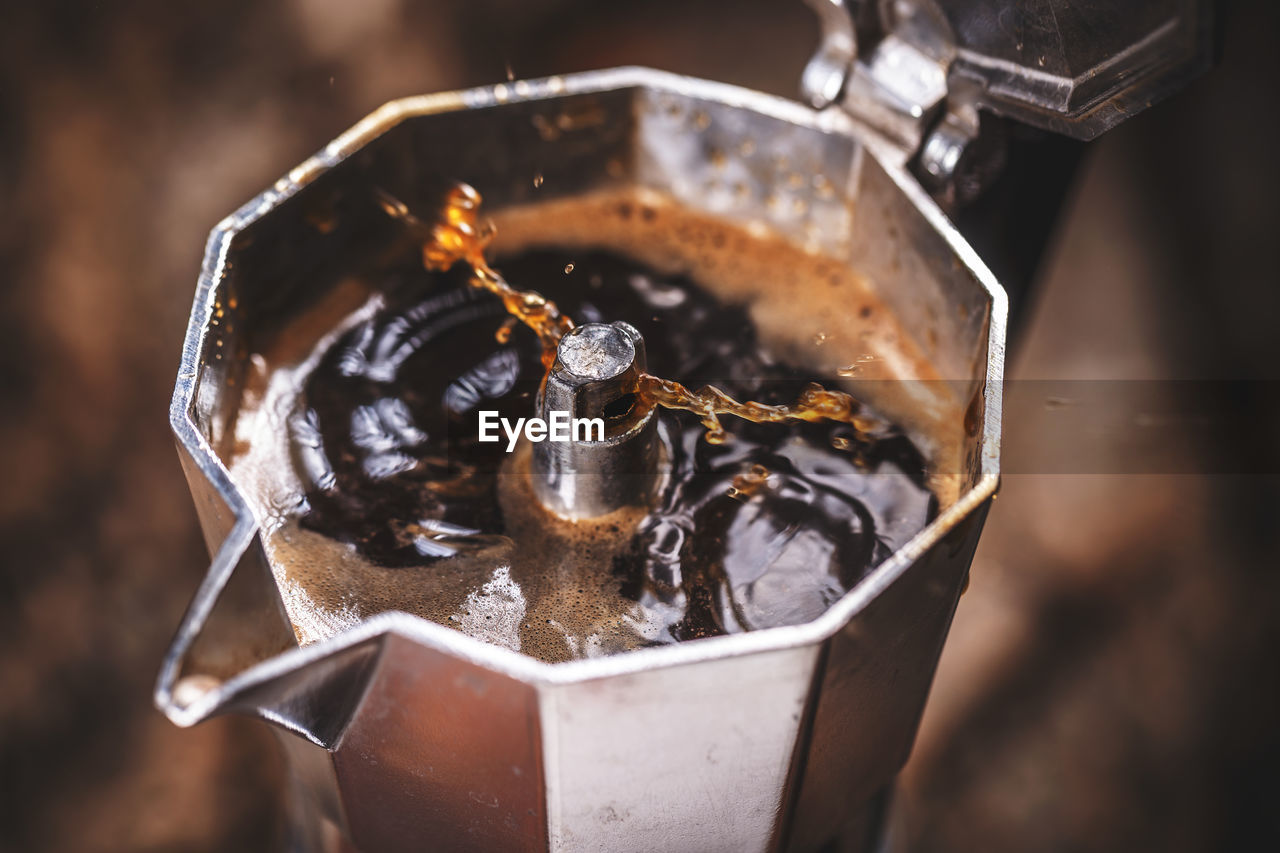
x=594 y=379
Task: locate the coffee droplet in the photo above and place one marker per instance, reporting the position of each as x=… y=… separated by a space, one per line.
x=390 y=504
x=855 y=368
x=462 y=236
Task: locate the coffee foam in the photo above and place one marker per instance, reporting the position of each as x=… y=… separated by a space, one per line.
x=809 y=309
x=553 y=597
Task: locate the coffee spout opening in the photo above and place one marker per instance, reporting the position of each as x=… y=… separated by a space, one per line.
x=610 y=458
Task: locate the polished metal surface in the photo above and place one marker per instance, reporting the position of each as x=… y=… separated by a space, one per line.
x=900 y=89
x=404 y=733
x=1076 y=67
x=825 y=74
x=594 y=376
x=945 y=146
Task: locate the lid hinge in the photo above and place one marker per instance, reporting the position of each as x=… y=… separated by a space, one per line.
x=899 y=89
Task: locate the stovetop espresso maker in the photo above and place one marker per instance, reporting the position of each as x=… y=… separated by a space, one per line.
x=401 y=734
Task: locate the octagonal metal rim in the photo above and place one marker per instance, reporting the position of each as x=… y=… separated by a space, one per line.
x=1095 y=99
x=455 y=643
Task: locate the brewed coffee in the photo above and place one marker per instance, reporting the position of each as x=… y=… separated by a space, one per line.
x=397 y=505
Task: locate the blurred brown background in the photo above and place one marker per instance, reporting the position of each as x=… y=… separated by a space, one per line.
x=1111 y=679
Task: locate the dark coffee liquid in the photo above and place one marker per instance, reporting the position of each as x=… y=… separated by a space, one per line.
x=766 y=529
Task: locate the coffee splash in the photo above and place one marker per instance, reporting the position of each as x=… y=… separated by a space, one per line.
x=358 y=440
x=398 y=506
x=458 y=234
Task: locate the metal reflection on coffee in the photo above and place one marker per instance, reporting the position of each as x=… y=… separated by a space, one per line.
x=389 y=500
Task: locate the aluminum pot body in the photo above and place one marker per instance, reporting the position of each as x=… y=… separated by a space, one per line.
x=405 y=735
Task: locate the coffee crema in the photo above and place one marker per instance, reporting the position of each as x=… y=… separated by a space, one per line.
x=375 y=495
x=457 y=233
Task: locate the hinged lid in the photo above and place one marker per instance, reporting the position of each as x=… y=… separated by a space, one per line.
x=1076 y=67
